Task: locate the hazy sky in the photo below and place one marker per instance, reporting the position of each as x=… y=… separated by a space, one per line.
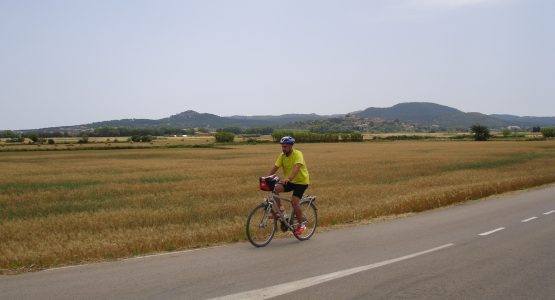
x=75 y=62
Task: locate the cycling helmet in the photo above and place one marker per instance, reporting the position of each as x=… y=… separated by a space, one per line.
x=287 y=140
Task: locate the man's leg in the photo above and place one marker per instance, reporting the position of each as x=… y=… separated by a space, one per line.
x=278 y=189
x=298 y=211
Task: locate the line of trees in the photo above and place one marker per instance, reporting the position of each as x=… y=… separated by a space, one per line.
x=314 y=134
x=9 y=134
x=141 y=138
x=254 y=130
x=129 y=131
x=309 y=137
x=103 y=132
x=482 y=133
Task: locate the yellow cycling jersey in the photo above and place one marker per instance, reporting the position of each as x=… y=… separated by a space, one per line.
x=288 y=162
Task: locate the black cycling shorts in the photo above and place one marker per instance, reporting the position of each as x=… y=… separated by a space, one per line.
x=298 y=189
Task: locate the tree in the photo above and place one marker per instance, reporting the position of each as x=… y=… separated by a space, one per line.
x=8 y=134
x=189 y=131
x=84 y=139
x=548 y=132
x=506 y=132
x=481 y=133
x=33 y=137
x=356 y=137
x=224 y=137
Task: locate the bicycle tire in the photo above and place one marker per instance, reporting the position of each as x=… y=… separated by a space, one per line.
x=260 y=229
x=310 y=213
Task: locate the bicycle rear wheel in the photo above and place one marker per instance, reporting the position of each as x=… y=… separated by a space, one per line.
x=260 y=228
x=310 y=214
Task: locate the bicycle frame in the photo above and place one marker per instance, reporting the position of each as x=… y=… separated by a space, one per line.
x=272 y=208
x=261 y=221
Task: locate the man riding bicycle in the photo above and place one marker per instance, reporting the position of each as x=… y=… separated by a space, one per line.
x=296 y=178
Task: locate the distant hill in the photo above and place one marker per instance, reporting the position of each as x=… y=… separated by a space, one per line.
x=409 y=116
x=283 y=119
x=193 y=119
x=431 y=114
x=526 y=121
x=186 y=119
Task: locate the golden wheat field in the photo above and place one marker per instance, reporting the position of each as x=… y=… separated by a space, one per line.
x=68 y=207
x=102 y=143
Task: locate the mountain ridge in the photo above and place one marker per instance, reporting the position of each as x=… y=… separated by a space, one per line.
x=423 y=114
x=432 y=114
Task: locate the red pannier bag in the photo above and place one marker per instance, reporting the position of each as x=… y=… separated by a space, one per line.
x=267 y=183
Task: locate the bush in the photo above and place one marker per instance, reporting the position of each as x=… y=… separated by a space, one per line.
x=351 y=137
x=33 y=137
x=16 y=140
x=481 y=133
x=356 y=137
x=51 y=142
x=548 y=132
x=224 y=137
x=84 y=139
x=506 y=132
x=147 y=138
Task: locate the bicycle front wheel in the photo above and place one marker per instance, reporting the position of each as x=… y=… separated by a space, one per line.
x=260 y=226
x=310 y=214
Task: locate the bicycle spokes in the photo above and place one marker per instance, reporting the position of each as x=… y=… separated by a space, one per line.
x=260 y=228
x=310 y=220
x=262 y=221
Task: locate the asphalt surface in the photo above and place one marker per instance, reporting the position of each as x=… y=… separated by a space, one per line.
x=497 y=248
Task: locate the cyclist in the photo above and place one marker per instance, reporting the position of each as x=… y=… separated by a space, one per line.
x=295 y=177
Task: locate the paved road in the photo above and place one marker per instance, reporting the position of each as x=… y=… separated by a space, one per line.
x=499 y=248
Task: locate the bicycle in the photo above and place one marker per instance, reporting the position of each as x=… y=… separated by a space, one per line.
x=262 y=220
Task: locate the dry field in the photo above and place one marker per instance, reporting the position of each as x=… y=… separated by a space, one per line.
x=68 y=207
x=105 y=143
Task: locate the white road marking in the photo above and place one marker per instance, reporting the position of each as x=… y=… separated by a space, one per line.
x=284 y=288
x=528 y=220
x=549 y=212
x=491 y=231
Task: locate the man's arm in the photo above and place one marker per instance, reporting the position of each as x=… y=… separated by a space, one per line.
x=273 y=170
x=294 y=173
